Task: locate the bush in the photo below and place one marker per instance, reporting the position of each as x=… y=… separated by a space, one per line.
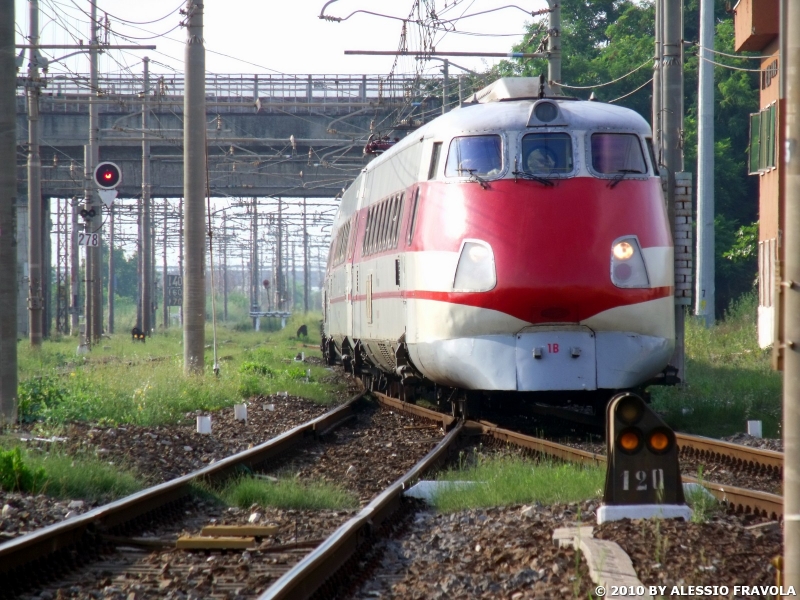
x=254 y=368
x=37 y=395
x=15 y=475
x=249 y=386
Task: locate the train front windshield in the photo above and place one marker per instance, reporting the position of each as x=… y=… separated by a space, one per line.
x=547 y=153
x=617 y=153
x=474 y=155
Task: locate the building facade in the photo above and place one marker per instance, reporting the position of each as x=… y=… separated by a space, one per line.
x=757 y=27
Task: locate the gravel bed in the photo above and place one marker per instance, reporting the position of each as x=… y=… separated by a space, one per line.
x=367 y=455
x=745 y=439
x=508 y=553
x=481 y=553
x=720 y=552
x=162 y=453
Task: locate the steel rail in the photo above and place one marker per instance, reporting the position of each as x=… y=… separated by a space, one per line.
x=743 y=500
x=310 y=574
x=39 y=544
x=699 y=446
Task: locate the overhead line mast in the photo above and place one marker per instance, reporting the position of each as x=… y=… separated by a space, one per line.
x=194 y=189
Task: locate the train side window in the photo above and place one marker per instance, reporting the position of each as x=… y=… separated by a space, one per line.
x=398 y=213
x=652 y=152
x=480 y=155
x=434 y=166
x=413 y=222
x=376 y=228
x=367 y=232
x=547 y=153
x=381 y=229
x=351 y=242
x=617 y=153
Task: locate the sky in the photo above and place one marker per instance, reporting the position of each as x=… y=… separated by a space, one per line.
x=285 y=37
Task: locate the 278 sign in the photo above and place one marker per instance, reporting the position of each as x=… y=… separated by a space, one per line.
x=88 y=239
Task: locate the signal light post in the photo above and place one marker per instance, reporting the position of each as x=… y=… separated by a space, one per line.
x=105 y=179
x=643 y=478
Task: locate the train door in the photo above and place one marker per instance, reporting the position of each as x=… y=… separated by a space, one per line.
x=348 y=274
x=355 y=302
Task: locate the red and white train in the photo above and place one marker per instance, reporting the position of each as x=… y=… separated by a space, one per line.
x=518 y=245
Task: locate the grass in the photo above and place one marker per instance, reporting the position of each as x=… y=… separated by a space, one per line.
x=67 y=477
x=729 y=378
x=287 y=493
x=124 y=382
x=511 y=480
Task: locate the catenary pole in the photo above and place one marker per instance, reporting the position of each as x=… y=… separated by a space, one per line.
x=254 y=272
x=305 y=256
x=94 y=289
x=74 y=271
x=146 y=253
x=279 y=281
x=111 y=269
x=164 y=270
x=657 y=77
x=704 y=285
x=791 y=303
x=224 y=266
x=672 y=105
x=8 y=216
x=35 y=222
x=554 y=46
x=445 y=83
x=194 y=187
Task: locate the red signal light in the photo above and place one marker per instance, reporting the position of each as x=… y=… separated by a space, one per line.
x=107 y=175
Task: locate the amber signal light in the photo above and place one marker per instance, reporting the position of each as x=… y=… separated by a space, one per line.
x=629 y=441
x=660 y=441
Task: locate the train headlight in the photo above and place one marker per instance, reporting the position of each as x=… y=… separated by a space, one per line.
x=622 y=250
x=627 y=264
x=475 y=271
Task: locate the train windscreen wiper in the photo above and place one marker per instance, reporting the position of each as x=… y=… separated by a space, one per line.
x=531 y=176
x=621 y=176
x=474 y=177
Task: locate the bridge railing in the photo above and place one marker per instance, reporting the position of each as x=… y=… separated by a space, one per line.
x=244 y=90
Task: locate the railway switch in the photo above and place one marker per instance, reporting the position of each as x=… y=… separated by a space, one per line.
x=643 y=478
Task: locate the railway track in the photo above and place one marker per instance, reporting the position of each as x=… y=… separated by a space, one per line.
x=45 y=553
x=56 y=547
x=322 y=568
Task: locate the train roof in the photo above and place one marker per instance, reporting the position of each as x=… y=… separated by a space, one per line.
x=513 y=114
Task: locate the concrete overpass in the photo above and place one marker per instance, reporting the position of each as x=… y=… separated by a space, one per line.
x=295 y=136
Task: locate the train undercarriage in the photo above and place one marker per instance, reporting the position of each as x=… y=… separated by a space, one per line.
x=408 y=385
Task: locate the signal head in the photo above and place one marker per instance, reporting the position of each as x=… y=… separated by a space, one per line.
x=107 y=176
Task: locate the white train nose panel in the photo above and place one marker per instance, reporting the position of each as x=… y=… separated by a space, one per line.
x=556 y=358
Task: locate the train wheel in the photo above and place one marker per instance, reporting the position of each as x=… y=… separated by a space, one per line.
x=408 y=393
x=330 y=355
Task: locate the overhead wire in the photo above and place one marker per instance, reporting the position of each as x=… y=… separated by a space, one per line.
x=731 y=67
x=631 y=93
x=591 y=87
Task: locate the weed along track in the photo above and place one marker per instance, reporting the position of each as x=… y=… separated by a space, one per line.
x=277 y=500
